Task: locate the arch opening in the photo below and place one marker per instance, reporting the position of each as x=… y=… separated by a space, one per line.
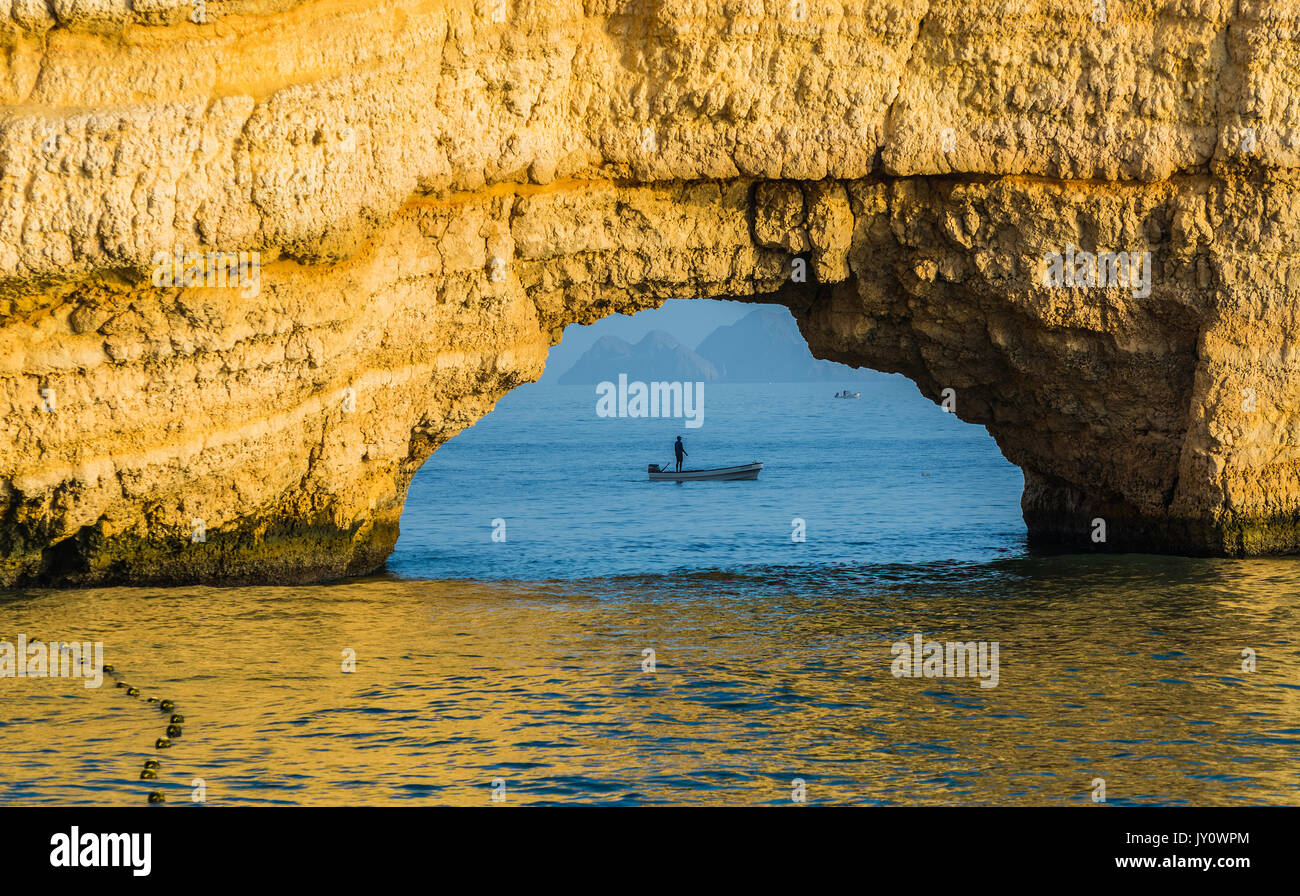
x=553 y=483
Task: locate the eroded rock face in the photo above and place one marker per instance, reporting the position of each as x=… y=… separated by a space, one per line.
x=435 y=190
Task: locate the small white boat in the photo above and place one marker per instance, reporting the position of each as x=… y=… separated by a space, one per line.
x=847 y=394
x=721 y=474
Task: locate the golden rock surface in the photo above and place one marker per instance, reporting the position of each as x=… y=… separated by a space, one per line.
x=435 y=189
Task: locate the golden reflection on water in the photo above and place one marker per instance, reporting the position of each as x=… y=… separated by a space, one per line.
x=1123 y=668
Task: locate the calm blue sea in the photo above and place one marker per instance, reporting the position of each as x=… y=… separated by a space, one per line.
x=888 y=477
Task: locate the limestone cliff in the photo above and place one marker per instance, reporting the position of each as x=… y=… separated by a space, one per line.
x=434 y=189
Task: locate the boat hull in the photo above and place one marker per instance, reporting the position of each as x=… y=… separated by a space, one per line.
x=721 y=474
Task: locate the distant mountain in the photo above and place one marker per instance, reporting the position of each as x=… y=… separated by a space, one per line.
x=766 y=346
x=657 y=357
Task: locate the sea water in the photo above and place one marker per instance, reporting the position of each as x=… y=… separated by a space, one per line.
x=554 y=628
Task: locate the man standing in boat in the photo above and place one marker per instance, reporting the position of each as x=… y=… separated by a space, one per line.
x=680 y=450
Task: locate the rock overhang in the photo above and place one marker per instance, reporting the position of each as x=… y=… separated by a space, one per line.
x=436 y=189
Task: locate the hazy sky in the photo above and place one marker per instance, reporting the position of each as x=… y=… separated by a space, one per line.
x=689 y=320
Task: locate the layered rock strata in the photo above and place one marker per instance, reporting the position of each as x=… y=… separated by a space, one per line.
x=423 y=194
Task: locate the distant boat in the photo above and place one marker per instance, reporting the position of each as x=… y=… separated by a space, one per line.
x=721 y=474
x=847 y=394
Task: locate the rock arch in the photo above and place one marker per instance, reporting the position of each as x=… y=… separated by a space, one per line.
x=435 y=194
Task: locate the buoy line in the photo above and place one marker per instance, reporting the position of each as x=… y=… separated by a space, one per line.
x=175 y=721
